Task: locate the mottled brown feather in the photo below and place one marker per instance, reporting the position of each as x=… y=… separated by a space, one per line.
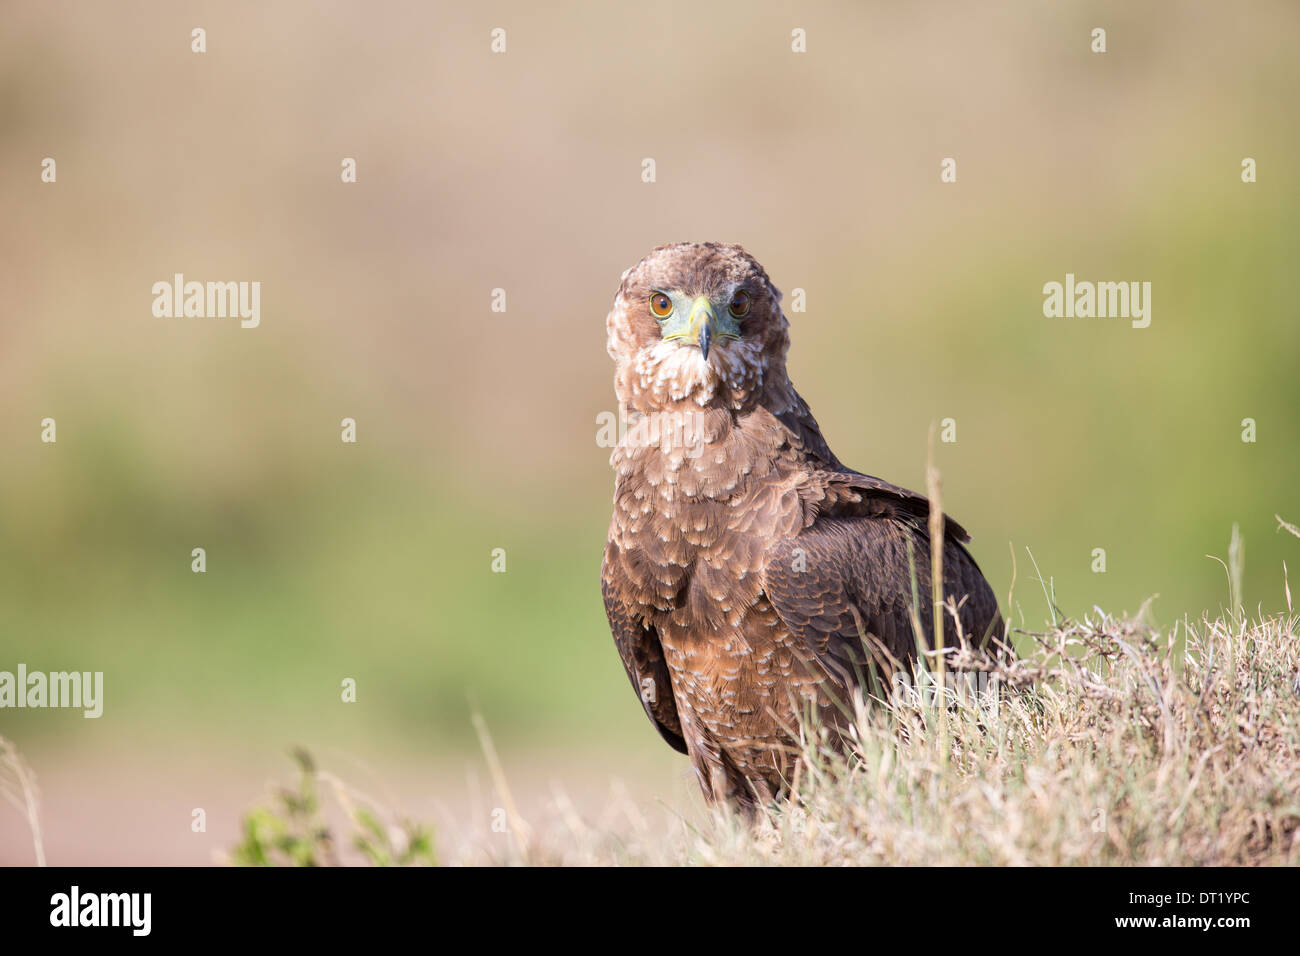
x=704 y=596
x=643 y=658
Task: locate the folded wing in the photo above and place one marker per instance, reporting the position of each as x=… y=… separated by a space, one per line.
x=643 y=659
x=846 y=585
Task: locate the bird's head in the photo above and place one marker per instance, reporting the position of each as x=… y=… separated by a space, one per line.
x=696 y=323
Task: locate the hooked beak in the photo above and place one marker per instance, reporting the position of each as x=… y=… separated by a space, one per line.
x=703 y=324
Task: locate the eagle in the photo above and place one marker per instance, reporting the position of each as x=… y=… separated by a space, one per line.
x=750 y=578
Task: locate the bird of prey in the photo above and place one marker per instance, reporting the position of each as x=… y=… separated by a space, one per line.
x=750 y=577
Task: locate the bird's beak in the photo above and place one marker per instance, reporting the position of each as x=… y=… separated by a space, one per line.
x=703 y=324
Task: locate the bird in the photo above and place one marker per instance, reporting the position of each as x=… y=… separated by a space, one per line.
x=750 y=578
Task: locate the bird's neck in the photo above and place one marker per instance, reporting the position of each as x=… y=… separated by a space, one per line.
x=683 y=453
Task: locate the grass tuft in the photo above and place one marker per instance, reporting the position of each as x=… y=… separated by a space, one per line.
x=1107 y=742
x=18 y=787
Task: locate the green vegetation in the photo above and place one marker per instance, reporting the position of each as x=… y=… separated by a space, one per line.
x=293 y=832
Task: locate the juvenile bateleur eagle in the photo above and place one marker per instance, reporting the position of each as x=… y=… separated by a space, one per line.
x=750 y=577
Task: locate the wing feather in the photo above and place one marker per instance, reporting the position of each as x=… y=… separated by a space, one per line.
x=643 y=658
x=844 y=586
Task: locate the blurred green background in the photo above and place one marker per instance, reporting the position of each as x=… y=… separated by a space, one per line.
x=476 y=430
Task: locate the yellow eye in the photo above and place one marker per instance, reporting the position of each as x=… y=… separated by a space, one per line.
x=661 y=305
x=739 y=304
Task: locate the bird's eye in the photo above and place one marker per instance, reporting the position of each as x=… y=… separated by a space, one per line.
x=739 y=304
x=661 y=305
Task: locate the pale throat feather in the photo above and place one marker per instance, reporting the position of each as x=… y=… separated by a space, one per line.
x=666 y=374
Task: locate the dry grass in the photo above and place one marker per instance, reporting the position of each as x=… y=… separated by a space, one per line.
x=1106 y=743
x=18 y=788
x=1110 y=744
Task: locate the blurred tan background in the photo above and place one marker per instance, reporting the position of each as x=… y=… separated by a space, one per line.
x=476 y=430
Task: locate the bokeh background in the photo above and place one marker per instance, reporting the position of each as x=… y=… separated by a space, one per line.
x=477 y=430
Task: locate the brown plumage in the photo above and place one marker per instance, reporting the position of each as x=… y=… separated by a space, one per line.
x=745 y=562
